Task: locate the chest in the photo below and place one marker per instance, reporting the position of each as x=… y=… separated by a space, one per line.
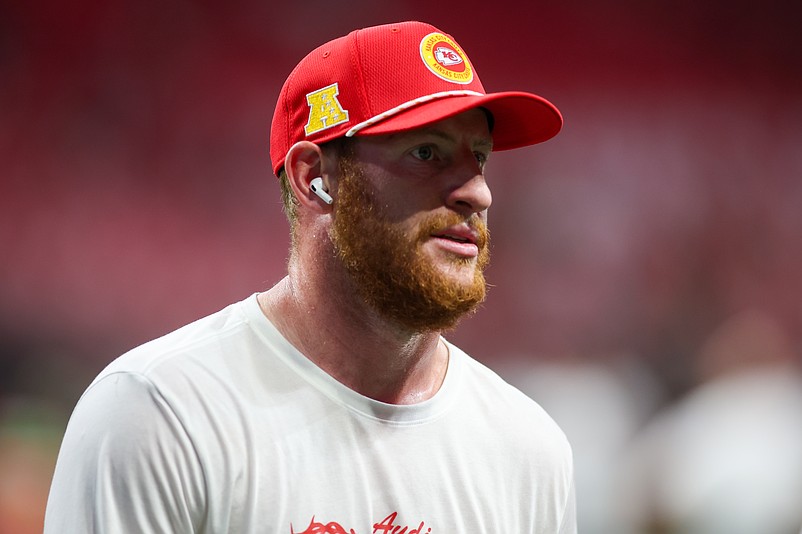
x=339 y=474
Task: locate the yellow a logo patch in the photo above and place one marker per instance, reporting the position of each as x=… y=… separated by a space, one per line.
x=325 y=110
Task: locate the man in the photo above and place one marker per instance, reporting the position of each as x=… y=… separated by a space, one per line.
x=331 y=403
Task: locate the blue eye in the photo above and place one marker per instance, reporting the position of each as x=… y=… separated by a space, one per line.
x=424 y=153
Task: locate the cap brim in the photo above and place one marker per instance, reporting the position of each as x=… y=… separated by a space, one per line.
x=519 y=119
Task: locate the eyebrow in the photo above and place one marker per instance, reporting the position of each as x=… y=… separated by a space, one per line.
x=441 y=134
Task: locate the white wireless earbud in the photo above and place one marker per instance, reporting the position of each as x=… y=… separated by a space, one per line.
x=316 y=185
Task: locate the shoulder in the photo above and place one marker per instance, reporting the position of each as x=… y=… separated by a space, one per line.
x=121 y=424
x=512 y=411
x=202 y=336
x=172 y=402
x=196 y=370
x=523 y=440
x=497 y=394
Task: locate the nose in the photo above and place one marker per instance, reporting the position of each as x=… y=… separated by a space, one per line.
x=470 y=193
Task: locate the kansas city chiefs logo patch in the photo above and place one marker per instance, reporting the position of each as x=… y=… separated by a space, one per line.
x=445 y=59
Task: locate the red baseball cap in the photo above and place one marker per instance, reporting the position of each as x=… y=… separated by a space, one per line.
x=395 y=77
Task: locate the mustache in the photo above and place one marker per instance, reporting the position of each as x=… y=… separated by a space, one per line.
x=438 y=222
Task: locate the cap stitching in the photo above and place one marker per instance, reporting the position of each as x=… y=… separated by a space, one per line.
x=288 y=111
x=356 y=59
x=408 y=105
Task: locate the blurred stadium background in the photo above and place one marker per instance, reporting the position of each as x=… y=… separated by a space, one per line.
x=647 y=263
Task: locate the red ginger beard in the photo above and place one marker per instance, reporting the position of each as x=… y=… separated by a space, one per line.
x=388 y=266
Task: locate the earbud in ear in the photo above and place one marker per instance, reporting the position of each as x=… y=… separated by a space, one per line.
x=316 y=185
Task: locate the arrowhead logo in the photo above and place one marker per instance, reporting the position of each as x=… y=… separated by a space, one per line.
x=445 y=59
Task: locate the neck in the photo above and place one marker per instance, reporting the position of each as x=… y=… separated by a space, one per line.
x=326 y=320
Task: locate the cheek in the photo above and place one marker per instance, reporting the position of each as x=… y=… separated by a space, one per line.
x=407 y=206
x=398 y=194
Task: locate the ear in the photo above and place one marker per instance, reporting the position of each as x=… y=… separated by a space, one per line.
x=304 y=163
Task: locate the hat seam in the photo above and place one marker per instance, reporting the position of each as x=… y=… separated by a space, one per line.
x=356 y=59
x=415 y=102
x=288 y=112
x=289 y=109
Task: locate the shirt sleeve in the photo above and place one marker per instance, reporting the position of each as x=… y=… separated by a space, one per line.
x=126 y=464
x=568 y=525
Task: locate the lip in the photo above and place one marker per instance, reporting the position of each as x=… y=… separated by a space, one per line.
x=458 y=233
x=461 y=240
